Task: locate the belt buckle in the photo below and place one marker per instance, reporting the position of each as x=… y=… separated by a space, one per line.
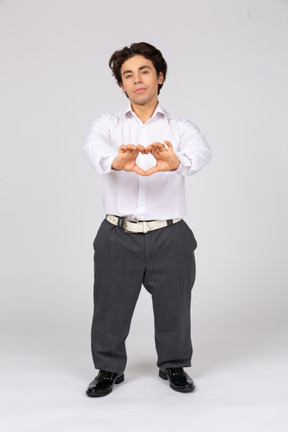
x=126 y=230
x=125 y=226
x=146 y=226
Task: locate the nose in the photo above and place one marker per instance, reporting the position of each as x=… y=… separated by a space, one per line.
x=137 y=78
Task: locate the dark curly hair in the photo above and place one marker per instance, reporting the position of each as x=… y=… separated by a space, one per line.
x=141 y=48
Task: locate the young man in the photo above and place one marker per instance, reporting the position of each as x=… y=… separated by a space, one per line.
x=144 y=154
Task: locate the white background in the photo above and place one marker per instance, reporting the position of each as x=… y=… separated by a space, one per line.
x=227 y=72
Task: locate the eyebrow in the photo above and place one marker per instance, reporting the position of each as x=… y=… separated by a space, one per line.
x=140 y=68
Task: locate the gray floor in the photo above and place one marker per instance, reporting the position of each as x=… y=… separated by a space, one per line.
x=241 y=385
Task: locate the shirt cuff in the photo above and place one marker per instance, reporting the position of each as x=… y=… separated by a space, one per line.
x=107 y=164
x=183 y=164
x=180 y=168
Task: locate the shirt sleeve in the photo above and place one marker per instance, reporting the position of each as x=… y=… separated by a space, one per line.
x=194 y=151
x=97 y=147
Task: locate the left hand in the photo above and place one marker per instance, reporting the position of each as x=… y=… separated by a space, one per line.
x=166 y=160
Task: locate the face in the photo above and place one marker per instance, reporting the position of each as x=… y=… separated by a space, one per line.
x=140 y=80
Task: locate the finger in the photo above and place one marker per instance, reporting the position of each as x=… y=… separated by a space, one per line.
x=148 y=149
x=159 y=145
x=157 y=154
x=140 y=148
x=155 y=149
x=169 y=144
x=131 y=147
x=139 y=170
x=122 y=148
x=152 y=170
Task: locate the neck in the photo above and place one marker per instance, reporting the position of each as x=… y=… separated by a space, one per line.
x=144 y=112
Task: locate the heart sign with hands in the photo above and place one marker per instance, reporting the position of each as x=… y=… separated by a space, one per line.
x=126 y=158
x=166 y=160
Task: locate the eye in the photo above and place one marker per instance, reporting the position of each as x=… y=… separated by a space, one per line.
x=128 y=76
x=145 y=72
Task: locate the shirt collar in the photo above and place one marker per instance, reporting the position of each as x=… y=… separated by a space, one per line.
x=158 y=110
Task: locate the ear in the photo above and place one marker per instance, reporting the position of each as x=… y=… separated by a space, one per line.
x=122 y=88
x=160 y=78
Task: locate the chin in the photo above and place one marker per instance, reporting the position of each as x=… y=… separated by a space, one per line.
x=141 y=101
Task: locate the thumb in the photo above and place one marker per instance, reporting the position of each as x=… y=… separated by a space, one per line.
x=169 y=145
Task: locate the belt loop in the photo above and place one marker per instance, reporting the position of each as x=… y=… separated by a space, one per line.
x=121 y=222
x=169 y=222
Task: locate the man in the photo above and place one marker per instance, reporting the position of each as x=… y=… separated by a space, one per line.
x=144 y=154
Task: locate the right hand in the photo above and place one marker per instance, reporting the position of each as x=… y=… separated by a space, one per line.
x=126 y=159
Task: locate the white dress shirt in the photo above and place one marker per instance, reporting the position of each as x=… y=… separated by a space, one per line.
x=160 y=195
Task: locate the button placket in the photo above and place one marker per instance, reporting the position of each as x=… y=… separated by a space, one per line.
x=141 y=180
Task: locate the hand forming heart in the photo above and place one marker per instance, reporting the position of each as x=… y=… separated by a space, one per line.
x=166 y=160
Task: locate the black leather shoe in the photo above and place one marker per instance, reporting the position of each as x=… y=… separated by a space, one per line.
x=178 y=378
x=102 y=385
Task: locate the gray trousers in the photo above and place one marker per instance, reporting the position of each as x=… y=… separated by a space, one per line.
x=163 y=261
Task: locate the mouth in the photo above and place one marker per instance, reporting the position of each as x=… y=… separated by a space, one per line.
x=140 y=90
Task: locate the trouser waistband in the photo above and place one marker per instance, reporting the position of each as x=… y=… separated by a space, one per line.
x=134 y=226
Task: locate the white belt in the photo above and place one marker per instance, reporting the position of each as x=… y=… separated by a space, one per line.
x=140 y=227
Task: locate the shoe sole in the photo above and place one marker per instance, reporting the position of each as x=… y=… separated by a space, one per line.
x=118 y=380
x=181 y=390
